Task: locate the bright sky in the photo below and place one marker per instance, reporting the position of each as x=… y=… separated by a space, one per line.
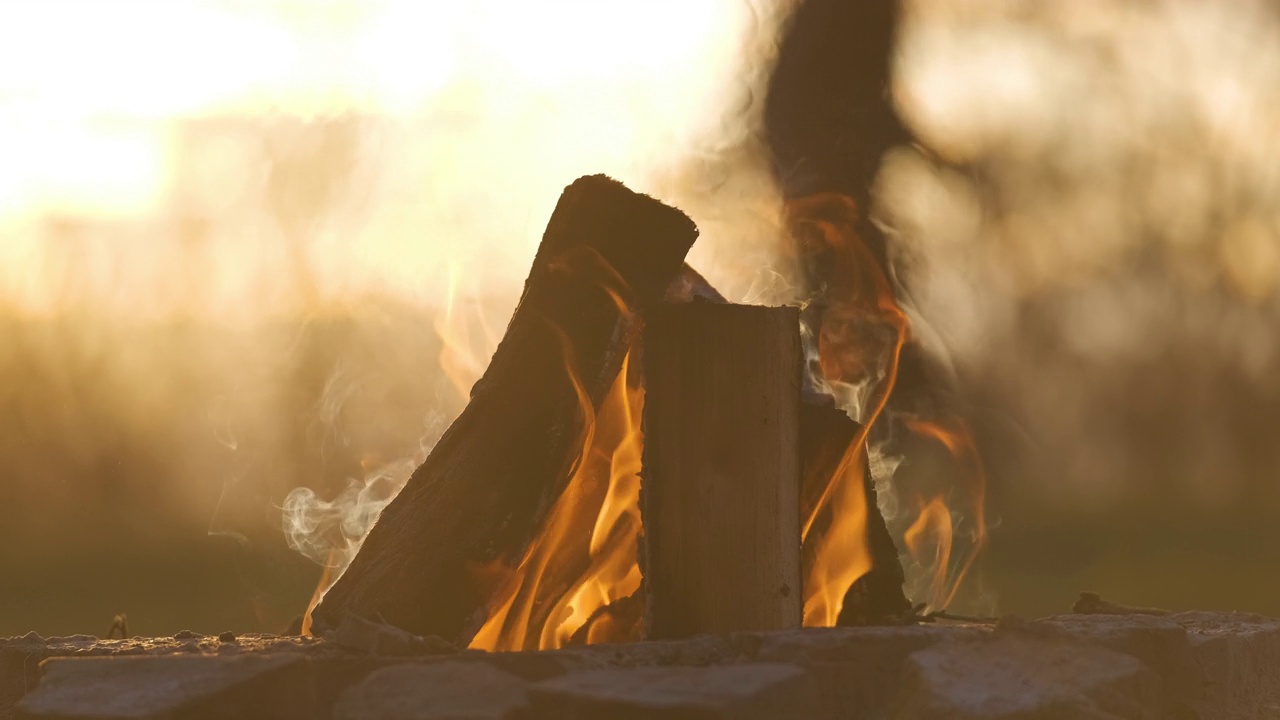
x=494 y=96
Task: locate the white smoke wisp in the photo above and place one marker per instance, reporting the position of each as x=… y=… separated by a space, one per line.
x=330 y=532
x=851 y=397
x=676 y=116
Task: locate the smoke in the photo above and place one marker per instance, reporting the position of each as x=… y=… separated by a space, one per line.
x=238 y=240
x=331 y=532
x=1089 y=233
x=592 y=102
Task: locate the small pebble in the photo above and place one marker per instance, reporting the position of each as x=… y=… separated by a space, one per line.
x=227 y=636
x=186 y=635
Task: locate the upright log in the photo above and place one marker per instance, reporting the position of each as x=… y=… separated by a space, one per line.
x=481 y=494
x=721 y=479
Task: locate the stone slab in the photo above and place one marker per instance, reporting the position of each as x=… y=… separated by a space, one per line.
x=454 y=690
x=159 y=688
x=1239 y=657
x=19 y=670
x=1207 y=665
x=20 y=657
x=1019 y=676
x=860 y=667
x=765 y=691
x=1157 y=641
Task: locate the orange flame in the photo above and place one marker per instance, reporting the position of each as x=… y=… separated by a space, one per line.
x=859 y=347
x=468 y=339
x=562 y=583
x=584 y=559
x=865 y=297
x=933 y=529
x=326 y=580
x=843 y=554
x=565 y=578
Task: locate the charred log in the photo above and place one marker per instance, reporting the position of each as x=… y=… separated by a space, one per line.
x=482 y=493
x=690 y=286
x=623 y=618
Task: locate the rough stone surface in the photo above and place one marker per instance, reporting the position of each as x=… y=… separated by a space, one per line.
x=700 y=650
x=19 y=670
x=20 y=657
x=1021 y=676
x=155 y=688
x=858 y=667
x=1187 y=665
x=91 y=646
x=436 y=691
x=1158 y=642
x=763 y=691
x=1239 y=657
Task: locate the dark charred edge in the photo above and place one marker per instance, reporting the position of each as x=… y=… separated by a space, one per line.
x=483 y=492
x=691 y=286
x=876 y=598
x=626 y=613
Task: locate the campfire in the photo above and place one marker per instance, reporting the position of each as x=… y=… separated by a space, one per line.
x=662 y=361
x=642 y=459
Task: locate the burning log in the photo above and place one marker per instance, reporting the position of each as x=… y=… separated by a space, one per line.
x=826 y=435
x=720 y=486
x=481 y=495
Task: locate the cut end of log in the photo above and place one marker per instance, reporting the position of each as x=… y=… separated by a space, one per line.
x=625 y=228
x=721 y=479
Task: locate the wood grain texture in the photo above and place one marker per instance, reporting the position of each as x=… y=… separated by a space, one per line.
x=721 y=481
x=482 y=493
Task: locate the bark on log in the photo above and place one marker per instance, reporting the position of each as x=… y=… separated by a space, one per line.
x=720 y=485
x=482 y=493
x=876 y=598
